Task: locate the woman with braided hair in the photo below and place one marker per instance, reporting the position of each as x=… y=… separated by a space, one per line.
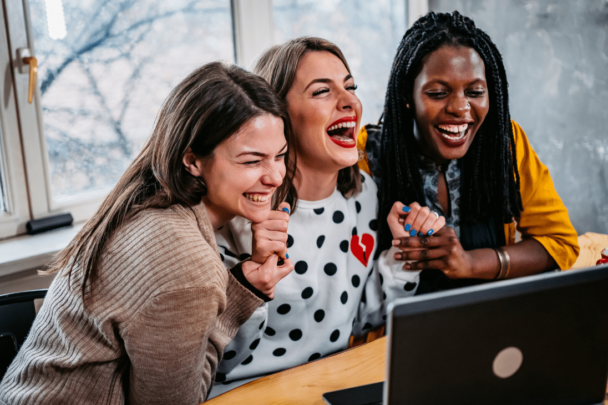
x=447 y=140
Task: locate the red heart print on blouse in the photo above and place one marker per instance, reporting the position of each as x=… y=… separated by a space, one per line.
x=362 y=253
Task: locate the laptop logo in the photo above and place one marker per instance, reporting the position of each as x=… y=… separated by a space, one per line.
x=507 y=362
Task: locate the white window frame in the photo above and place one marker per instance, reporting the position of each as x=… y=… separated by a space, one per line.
x=23 y=147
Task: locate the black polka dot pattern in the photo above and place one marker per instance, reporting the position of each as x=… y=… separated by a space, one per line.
x=362 y=179
x=409 y=286
x=320 y=241
x=358 y=206
x=344 y=246
x=295 y=335
x=301 y=267
x=222 y=257
x=307 y=293
x=319 y=315
x=283 y=309
x=373 y=224
x=247 y=360
x=279 y=352
x=338 y=217
x=356 y=281
x=330 y=269
x=270 y=332
x=254 y=344
x=354 y=231
x=364 y=297
x=319 y=211
x=335 y=335
x=220 y=377
x=229 y=355
x=289 y=241
x=381 y=279
x=262 y=325
x=314 y=356
x=244 y=256
x=344 y=297
x=229 y=253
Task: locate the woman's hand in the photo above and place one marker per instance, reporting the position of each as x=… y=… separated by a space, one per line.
x=443 y=252
x=264 y=277
x=414 y=220
x=270 y=236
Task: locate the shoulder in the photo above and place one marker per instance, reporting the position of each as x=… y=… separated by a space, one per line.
x=159 y=242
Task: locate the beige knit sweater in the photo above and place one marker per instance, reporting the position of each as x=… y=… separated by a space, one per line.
x=163 y=309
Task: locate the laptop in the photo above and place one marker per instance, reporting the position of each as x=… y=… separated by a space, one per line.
x=535 y=340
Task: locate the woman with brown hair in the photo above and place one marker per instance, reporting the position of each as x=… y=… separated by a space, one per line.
x=338 y=288
x=142 y=306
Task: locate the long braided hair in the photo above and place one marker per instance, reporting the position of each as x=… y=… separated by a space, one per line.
x=490 y=188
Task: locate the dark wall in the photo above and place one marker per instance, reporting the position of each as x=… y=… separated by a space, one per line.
x=556 y=57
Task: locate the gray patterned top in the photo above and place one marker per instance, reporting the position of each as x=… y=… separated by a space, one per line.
x=430 y=179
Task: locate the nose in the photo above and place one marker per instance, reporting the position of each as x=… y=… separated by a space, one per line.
x=347 y=101
x=458 y=105
x=274 y=174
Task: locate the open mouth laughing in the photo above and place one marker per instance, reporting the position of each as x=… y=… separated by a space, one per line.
x=454 y=134
x=342 y=132
x=257 y=197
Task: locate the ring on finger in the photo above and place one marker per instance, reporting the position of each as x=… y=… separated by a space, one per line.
x=436 y=214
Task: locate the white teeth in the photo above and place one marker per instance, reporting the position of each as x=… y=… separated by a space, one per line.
x=256 y=197
x=350 y=124
x=454 y=128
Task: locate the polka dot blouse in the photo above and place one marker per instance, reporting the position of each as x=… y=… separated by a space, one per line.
x=335 y=290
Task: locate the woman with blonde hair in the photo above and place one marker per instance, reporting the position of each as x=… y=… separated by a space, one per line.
x=142 y=306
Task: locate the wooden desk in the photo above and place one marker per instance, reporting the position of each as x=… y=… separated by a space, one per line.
x=361 y=365
x=306 y=384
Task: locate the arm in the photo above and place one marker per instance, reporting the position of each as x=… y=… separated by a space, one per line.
x=176 y=339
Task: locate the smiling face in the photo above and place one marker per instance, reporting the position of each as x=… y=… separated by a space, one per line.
x=325 y=113
x=451 y=100
x=244 y=171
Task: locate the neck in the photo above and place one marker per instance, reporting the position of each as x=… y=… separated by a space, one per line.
x=314 y=184
x=217 y=216
x=426 y=150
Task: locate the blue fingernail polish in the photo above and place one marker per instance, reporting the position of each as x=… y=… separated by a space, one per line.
x=286 y=209
x=430 y=232
x=419 y=234
x=414 y=232
x=406 y=209
x=287 y=255
x=407 y=227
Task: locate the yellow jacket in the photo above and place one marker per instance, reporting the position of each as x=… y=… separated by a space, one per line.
x=544 y=218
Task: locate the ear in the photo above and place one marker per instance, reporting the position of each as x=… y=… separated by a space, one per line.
x=192 y=164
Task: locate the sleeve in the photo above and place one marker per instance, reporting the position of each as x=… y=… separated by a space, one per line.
x=242 y=345
x=176 y=339
x=544 y=218
x=387 y=282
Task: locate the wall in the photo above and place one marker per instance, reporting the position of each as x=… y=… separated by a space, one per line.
x=556 y=57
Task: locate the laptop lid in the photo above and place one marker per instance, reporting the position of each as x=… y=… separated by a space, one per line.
x=535 y=340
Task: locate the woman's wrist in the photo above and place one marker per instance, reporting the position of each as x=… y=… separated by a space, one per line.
x=485 y=264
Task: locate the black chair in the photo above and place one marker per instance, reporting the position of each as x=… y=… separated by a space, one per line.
x=17 y=313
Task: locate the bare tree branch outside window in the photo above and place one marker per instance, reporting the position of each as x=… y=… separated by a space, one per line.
x=103 y=83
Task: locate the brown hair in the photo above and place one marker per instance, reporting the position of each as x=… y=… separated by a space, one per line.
x=279 y=65
x=204 y=110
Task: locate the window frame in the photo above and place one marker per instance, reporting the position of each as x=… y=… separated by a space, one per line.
x=25 y=159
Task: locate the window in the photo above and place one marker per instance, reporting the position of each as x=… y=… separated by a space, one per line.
x=105 y=67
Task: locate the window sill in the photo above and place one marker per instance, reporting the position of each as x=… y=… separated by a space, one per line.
x=34 y=251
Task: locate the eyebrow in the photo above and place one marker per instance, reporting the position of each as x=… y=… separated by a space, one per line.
x=446 y=84
x=348 y=77
x=259 y=154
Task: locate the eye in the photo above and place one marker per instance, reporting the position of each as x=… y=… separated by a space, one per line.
x=436 y=94
x=352 y=87
x=281 y=156
x=320 y=91
x=252 y=162
x=477 y=93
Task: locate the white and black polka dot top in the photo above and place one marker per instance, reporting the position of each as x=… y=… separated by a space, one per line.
x=336 y=288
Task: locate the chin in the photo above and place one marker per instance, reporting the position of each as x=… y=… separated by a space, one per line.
x=344 y=160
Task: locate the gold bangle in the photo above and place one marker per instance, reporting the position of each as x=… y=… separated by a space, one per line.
x=505 y=263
